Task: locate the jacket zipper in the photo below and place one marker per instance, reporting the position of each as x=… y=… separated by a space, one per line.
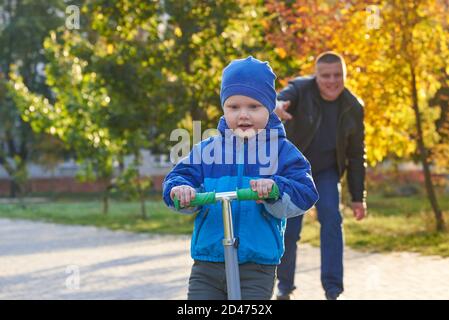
x=240 y=172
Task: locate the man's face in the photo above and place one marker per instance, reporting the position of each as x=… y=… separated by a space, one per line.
x=244 y=115
x=330 y=80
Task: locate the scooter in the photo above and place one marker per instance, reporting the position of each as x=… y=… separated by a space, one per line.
x=229 y=241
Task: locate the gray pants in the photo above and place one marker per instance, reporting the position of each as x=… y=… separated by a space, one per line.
x=208 y=281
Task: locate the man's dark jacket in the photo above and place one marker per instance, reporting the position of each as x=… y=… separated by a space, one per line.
x=305 y=107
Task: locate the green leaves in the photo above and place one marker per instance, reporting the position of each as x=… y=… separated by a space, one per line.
x=377 y=60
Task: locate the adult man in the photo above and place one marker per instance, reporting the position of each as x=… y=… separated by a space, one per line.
x=325 y=121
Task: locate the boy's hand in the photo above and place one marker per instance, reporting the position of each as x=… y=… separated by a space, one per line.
x=184 y=193
x=262 y=187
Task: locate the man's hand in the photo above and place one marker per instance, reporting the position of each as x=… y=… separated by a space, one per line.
x=359 y=209
x=184 y=193
x=262 y=187
x=280 y=110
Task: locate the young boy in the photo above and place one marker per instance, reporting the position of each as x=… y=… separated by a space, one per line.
x=248 y=98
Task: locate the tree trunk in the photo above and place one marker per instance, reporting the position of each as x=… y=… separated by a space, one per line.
x=12 y=189
x=16 y=187
x=140 y=190
x=440 y=226
x=10 y=171
x=106 y=200
x=143 y=209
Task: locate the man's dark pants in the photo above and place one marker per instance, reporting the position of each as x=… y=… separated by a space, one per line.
x=331 y=236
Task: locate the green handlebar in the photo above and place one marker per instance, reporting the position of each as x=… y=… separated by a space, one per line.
x=202 y=199
x=249 y=194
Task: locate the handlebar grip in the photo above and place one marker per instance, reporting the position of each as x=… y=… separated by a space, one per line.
x=249 y=194
x=200 y=200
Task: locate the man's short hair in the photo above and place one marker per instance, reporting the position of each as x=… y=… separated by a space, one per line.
x=331 y=57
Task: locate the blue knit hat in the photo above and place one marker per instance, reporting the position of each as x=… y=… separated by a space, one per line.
x=249 y=77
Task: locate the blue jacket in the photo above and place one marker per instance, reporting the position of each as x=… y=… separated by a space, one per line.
x=258 y=227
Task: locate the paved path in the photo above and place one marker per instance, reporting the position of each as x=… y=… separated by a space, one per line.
x=48 y=261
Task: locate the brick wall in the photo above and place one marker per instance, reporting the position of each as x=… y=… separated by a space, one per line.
x=67 y=185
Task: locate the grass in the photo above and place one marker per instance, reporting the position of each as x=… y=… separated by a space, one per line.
x=122 y=215
x=393 y=223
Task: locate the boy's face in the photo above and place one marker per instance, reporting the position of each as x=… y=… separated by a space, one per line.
x=244 y=115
